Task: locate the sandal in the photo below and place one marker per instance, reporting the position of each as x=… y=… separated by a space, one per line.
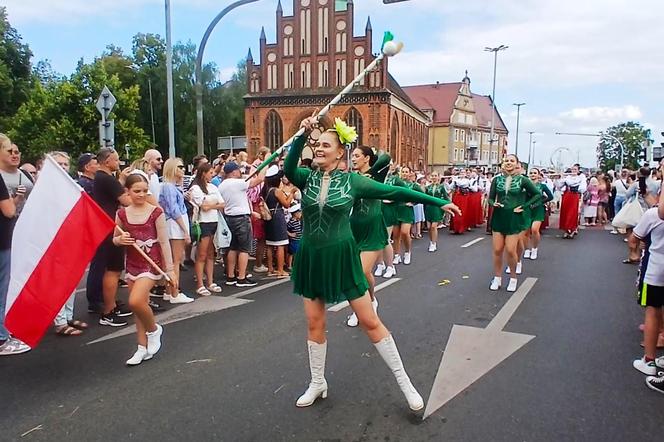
x=631 y=261
x=283 y=275
x=78 y=324
x=67 y=330
x=203 y=291
x=214 y=288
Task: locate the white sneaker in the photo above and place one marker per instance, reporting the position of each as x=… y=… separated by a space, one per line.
x=511 y=287
x=140 y=356
x=167 y=297
x=181 y=298
x=396 y=260
x=154 y=340
x=13 y=346
x=533 y=254
x=507 y=270
x=260 y=269
x=352 y=321
x=519 y=268
x=432 y=247
x=390 y=272
x=495 y=283
x=526 y=253
x=406 y=258
x=380 y=268
x=647 y=368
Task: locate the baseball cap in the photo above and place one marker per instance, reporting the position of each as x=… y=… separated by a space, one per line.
x=84 y=160
x=272 y=171
x=294 y=208
x=231 y=167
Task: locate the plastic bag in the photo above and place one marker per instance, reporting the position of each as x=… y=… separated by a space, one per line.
x=629 y=215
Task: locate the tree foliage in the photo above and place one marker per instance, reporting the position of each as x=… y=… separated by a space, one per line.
x=632 y=135
x=44 y=110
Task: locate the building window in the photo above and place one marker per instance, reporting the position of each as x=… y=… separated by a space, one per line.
x=394 y=133
x=456 y=136
x=494 y=156
x=272 y=76
x=305 y=31
x=354 y=119
x=456 y=154
x=323 y=31
x=340 y=5
x=462 y=136
x=274 y=132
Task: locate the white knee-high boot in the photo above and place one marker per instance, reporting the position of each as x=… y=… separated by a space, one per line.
x=388 y=350
x=318 y=384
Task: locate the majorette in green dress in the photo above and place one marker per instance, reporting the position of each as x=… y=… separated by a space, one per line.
x=366 y=219
x=406 y=212
x=537 y=210
x=434 y=214
x=391 y=209
x=327 y=265
x=511 y=192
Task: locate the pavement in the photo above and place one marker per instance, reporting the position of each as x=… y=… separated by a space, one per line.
x=232 y=366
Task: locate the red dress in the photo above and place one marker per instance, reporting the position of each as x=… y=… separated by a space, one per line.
x=146 y=238
x=459 y=224
x=569 y=211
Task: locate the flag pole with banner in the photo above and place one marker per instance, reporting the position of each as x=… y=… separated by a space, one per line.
x=54 y=240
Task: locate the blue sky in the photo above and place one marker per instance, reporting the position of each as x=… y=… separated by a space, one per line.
x=579 y=66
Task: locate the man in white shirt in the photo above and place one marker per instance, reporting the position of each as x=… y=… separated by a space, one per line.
x=237 y=212
x=155 y=162
x=650 y=230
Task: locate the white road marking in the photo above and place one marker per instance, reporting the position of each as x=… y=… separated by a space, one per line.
x=382 y=285
x=475 y=241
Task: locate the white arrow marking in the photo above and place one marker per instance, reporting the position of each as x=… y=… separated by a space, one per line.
x=379 y=287
x=475 y=241
x=472 y=352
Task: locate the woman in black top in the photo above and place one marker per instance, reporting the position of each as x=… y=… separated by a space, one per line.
x=276 y=233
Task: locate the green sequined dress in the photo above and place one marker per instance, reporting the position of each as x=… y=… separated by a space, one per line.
x=406 y=212
x=434 y=214
x=537 y=210
x=391 y=209
x=366 y=219
x=519 y=191
x=327 y=265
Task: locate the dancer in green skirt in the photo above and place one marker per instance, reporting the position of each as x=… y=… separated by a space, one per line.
x=386 y=266
x=327 y=267
x=509 y=194
x=434 y=214
x=366 y=220
x=537 y=214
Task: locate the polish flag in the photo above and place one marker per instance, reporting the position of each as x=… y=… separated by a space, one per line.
x=55 y=238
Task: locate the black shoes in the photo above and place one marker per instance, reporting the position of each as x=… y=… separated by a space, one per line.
x=112 y=320
x=246 y=282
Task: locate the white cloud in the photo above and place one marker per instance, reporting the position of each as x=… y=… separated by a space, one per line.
x=602 y=114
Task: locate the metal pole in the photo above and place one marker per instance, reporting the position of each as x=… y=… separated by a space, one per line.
x=493 y=104
x=151 y=110
x=518 y=115
x=530 y=145
x=169 y=81
x=199 y=70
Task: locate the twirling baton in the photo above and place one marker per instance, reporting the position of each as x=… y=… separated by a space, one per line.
x=389 y=48
x=149 y=260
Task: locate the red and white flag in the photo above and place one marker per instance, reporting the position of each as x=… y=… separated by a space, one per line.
x=55 y=238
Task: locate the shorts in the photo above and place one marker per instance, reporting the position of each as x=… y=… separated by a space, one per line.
x=114 y=256
x=240 y=227
x=174 y=229
x=208 y=229
x=293 y=245
x=651 y=295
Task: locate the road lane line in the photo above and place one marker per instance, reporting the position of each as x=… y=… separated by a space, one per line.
x=475 y=241
x=258 y=288
x=379 y=287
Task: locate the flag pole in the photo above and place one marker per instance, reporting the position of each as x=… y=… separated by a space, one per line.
x=389 y=49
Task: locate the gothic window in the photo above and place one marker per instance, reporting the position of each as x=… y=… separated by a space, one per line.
x=288 y=76
x=255 y=83
x=341 y=72
x=354 y=119
x=323 y=31
x=274 y=132
x=394 y=132
x=305 y=31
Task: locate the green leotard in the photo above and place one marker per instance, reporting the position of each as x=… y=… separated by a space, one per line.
x=366 y=220
x=504 y=219
x=537 y=211
x=391 y=210
x=434 y=214
x=405 y=212
x=327 y=265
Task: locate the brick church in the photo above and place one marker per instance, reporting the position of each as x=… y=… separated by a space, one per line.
x=314 y=57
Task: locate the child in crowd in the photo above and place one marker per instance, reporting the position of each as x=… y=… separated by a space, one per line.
x=144 y=225
x=294 y=228
x=650 y=230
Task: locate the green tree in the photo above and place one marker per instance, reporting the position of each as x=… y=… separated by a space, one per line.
x=632 y=135
x=15 y=70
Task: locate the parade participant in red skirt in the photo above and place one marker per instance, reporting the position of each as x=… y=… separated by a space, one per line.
x=461 y=198
x=573 y=186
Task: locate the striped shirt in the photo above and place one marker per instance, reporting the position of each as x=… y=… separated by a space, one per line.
x=294 y=226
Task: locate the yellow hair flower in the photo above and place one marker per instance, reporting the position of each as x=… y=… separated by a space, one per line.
x=347 y=134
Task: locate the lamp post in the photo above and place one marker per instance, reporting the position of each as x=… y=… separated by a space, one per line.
x=199 y=71
x=137 y=68
x=518 y=114
x=530 y=144
x=493 y=94
x=169 y=81
x=601 y=134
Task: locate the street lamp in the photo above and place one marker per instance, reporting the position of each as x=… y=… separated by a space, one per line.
x=601 y=134
x=199 y=71
x=530 y=145
x=169 y=81
x=493 y=95
x=518 y=112
x=137 y=69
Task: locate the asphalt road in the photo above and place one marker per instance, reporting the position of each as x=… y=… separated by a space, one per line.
x=234 y=374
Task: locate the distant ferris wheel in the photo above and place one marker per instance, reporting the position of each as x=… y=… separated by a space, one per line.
x=561 y=157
